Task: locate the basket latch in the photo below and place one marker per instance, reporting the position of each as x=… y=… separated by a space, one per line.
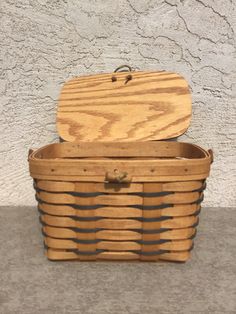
x=117 y=176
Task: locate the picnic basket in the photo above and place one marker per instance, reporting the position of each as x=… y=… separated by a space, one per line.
x=117 y=187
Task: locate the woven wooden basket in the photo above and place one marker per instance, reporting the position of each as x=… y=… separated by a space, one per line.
x=109 y=192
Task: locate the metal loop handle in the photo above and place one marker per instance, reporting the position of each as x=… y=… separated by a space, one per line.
x=123 y=66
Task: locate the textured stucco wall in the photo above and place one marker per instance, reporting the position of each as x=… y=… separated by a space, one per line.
x=43 y=43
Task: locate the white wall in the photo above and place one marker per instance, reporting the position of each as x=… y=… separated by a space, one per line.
x=43 y=43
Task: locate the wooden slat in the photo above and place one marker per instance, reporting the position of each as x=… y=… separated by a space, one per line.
x=132 y=167
x=120 y=212
x=86 y=201
x=122 y=224
x=177 y=245
x=184 y=186
x=53 y=254
x=109 y=212
x=138 y=179
x=119 y=235
x=118 y=200
x=155 y=149
x=172 y=257
x=174 y=234
x=149 y=107
x=58 y=186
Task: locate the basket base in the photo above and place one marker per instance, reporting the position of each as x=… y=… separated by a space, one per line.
x=60 y=255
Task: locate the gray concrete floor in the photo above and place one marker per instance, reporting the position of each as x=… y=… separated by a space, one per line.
x=29 y=283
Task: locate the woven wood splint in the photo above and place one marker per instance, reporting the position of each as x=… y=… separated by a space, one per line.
x=112 y=190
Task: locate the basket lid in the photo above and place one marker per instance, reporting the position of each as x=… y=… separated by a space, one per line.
x=134 y=106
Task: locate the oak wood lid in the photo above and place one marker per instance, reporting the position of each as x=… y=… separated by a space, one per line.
x=113 y=107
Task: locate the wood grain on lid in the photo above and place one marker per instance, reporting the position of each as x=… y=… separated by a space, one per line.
x=150 y=106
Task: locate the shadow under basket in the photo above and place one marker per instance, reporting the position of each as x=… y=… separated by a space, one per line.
x=119 y=201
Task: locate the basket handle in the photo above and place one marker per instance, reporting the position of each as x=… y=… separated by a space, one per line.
x=117 y=176
x=30 y=152
x=210 y=152
x=128 y=68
